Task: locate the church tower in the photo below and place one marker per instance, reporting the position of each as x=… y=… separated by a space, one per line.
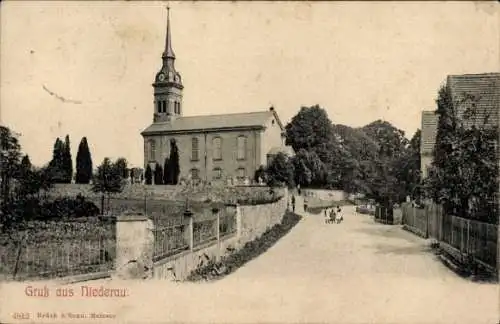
x=167 y=85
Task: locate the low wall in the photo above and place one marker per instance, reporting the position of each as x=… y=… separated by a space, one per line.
x=165 y=192
x=179 y=266
x=255 y=220
x=251 y=222
x=322 y=194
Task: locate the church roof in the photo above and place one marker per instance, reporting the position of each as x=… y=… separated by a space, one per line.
x=250 y=120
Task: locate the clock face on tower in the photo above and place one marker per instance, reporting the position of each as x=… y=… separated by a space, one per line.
x=161 y=77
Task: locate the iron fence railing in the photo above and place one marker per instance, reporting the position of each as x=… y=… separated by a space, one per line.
x=52 y=259
x=204 y=231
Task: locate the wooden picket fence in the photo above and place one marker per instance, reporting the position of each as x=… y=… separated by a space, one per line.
x=469 y=237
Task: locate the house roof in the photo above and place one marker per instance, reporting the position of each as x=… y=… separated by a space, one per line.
x=429 y=131
x=481 y=90
x=214 y=122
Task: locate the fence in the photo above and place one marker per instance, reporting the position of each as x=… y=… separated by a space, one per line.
x=172 y=235
x=51 y=249
x=470 y=237
x=56 y=259
x=170 y=239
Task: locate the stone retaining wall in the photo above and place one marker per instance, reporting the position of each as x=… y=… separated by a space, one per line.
x=251 y=222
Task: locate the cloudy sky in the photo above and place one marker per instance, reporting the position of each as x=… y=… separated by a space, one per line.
x=86 y=68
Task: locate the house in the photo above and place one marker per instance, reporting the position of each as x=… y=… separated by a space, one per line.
x=211 y=147
x=427 y=141
x=481 y=92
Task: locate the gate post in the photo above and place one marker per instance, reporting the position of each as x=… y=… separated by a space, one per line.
x=217 y=223
x=134 y=247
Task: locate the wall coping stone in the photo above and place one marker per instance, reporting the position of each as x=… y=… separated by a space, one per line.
x=132 y=217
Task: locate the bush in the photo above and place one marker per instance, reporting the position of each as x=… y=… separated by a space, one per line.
x=62 y=208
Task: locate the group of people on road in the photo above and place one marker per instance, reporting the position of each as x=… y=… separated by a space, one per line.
x=333 y=215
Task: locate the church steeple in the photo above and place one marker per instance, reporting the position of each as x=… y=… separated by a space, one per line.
x=168 y=84
x=168 y=53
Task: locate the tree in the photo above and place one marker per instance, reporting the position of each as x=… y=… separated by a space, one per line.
x=464 y=172
x=323 y=153
x=107 y=180
x=309 y=169
x=308 y=129
x=56 y=165
x=148 y=175
x=260 y=173
x=158 y=174
x=407 y=168
x=19 y=182
x=83 y=163
x=67 y=162
x=280 y=171
x=382 y=182
x=9 y=167
x=174 y=167
x=166 y=170
x=121 y=165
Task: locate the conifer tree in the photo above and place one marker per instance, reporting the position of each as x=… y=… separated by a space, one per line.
x=83 y=163
x=67 y=164
x=158 y=174
x=56 y=164
x=174 y=167
x=148 y=175
x=166 y=172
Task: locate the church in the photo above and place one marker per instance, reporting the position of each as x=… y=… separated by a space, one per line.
x=227 y=147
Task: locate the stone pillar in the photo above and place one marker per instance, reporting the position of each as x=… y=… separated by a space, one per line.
x=217 y=223
x=134 y=247
x=190 y=230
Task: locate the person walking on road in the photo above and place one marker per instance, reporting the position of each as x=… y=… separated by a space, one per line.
x=293 y=204
x=339 y=215
x=305 y=204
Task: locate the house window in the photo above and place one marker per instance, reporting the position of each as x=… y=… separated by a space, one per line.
x=195 y=149
x=152 y=150
x=241 y=173
x=195 y=174
x=242 y=147
x=217 y=145
x=217 y=174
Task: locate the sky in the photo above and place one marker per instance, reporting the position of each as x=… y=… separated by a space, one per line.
x=86 y=68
